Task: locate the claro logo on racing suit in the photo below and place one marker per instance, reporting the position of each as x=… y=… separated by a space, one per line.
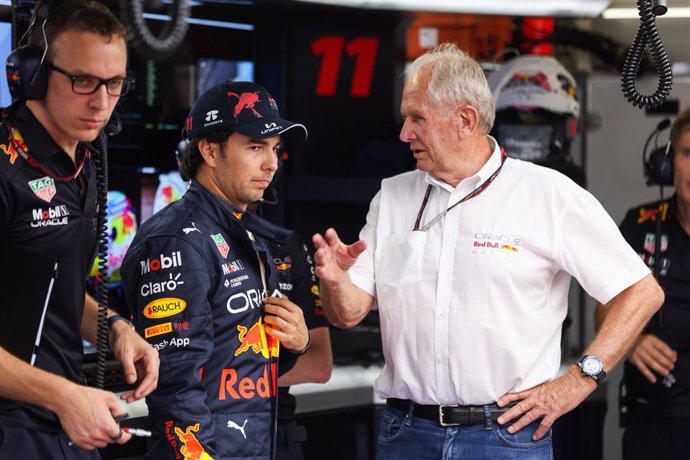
x=49 y=217
x=153 y=265
x=163 y=286
x=167 y=306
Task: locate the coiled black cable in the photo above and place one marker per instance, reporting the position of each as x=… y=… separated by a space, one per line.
x=101 y=287
x=172 y=35
x=647 y=34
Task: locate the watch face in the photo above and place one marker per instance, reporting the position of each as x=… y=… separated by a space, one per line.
x=591 y=366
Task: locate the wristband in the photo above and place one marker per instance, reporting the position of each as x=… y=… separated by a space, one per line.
x=115 y=318
x=301 y=352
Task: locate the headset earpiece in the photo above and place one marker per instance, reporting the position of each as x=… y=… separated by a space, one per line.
x=44 y=12
x=658 y=169
x=27 y=74
x=658 y=166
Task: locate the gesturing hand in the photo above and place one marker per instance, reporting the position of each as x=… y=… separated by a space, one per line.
x=333 y=257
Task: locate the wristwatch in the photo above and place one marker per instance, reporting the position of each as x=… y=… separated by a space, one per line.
x=113 y=319
x=592 y=367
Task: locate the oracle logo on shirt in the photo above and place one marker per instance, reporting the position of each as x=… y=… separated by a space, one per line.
x=50 y=216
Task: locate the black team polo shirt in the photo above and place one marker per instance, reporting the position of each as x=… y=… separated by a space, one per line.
x=56 y=218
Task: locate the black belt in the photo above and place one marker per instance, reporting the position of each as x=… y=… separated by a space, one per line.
x=449 y=415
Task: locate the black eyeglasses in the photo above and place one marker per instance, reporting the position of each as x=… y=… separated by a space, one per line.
x=88 y=84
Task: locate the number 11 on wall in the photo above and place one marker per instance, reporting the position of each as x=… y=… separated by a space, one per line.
x=330 y=48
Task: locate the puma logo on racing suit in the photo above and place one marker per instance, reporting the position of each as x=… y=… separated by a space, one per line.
x=234 y=425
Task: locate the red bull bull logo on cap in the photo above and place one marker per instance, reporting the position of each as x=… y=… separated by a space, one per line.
x=246 y=100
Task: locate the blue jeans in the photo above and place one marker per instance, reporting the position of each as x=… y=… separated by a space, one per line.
x=402 y=436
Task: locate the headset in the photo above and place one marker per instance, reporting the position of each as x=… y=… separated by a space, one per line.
x=27 y=73
x=658 y=166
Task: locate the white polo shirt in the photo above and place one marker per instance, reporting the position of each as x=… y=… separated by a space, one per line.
x=472 y=308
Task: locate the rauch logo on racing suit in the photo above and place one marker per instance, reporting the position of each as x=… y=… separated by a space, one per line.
x=168 y=306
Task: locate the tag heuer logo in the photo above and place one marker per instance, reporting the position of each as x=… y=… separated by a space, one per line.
x=44 y=188
x=222 y=246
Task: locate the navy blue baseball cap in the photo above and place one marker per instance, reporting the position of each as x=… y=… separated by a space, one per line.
x=240 y=106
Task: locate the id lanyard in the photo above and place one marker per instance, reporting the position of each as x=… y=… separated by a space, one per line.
x=483 y=186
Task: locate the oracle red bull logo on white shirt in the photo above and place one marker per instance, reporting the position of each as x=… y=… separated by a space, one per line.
x=495 y=243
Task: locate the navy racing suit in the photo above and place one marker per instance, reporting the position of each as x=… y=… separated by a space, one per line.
x=193 y=281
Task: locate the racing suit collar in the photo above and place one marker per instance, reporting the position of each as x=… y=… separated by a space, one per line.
x=227 y=211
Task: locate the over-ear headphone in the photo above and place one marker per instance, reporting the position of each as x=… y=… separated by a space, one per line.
x=27 y=73
x=658 y=167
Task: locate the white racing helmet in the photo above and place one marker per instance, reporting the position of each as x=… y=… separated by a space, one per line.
x=534 y=82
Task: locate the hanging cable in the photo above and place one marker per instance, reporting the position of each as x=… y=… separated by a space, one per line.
x=172 y=35
x=647 y=35
x=101 y=288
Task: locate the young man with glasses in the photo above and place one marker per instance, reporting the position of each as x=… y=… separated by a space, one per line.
x=48 y=205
